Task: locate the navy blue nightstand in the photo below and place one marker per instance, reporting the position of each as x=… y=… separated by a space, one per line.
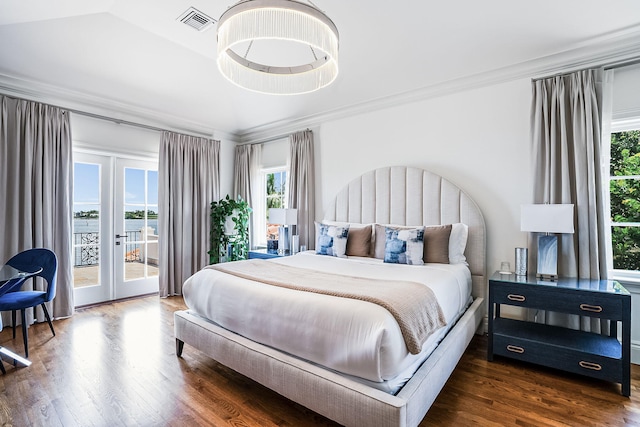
x=585 y=353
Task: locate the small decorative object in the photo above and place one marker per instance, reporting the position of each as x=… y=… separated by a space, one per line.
x=295 y=244
x=303 y=248
x=547 y=219
x=521 y=261
x=229 y=230
x=272 y=246
x=505 y=267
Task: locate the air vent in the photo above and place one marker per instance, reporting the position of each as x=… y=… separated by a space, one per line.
x=196 y=19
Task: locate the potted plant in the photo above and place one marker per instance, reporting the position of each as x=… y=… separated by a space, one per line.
x=229 y=230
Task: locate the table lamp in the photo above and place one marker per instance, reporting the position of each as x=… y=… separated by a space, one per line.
x=284 y=218
x=550 y=220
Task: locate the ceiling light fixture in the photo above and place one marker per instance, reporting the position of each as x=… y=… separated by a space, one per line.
x=278 y=28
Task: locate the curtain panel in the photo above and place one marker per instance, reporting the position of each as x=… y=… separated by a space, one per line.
x=188 y=181
x=246 y=182
x=36 y=183
x=302 y=184
x=567 y=167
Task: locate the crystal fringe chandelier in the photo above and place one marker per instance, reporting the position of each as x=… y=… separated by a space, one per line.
x=252 y=21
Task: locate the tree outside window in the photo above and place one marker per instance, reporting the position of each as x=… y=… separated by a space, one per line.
x=624 y=191
x=276 y=186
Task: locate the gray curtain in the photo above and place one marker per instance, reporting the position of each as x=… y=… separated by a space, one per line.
x=36 y=180
x=245 y=181
x=567 y=153
x=188 y=181
x=302 y=185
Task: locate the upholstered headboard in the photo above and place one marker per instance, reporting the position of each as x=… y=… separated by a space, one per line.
x=412 y=196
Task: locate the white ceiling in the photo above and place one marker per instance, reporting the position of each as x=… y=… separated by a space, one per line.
x=133 y=59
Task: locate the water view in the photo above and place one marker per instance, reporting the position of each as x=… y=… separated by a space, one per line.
x=92 y=225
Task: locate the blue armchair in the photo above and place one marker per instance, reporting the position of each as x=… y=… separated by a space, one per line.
x=17 y=299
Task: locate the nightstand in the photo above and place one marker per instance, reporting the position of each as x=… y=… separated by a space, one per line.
x=580 y=352
x=263 y=254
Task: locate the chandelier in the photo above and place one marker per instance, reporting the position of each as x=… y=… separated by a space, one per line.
x=280 y=47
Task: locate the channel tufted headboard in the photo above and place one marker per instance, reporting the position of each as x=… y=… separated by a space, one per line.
x=412 y=196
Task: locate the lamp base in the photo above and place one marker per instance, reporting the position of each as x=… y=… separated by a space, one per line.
x=547 y=257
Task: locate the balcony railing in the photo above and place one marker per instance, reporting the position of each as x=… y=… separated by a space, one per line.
x=87 y=248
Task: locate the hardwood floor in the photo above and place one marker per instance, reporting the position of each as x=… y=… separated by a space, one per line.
x=115 y=365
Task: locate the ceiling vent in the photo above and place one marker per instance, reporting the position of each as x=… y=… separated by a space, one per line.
x=196 y=19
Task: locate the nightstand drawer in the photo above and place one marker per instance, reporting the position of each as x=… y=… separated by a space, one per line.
x=557 y=299
x=566 y=359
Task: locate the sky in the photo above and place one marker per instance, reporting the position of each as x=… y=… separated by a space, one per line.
x=86 y=188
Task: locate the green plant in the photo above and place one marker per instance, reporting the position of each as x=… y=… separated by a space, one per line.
x=239 y=211
x=624 y=191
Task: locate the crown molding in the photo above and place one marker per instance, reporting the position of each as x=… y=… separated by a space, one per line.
x=609 y=51
x=100 y=107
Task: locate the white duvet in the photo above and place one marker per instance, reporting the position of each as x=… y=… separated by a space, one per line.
x=353 y=337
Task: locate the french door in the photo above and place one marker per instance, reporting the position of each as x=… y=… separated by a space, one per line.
x=115 y=232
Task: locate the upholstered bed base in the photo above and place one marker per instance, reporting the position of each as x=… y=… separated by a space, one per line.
x=340 y=399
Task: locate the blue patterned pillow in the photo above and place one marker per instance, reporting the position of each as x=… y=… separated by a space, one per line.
x=404 y=246
x=331 y=240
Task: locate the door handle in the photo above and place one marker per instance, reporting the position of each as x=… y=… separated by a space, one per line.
x=121 y=236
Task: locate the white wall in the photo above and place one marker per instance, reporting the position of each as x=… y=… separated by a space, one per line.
x=477 y=139
x=103 y=135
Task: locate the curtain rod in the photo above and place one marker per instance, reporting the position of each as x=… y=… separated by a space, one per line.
x=273 y=138
x=609 y=66
x=111 y=119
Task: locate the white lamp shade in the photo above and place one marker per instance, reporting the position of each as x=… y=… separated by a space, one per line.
x=547 y=218
x=283 y=216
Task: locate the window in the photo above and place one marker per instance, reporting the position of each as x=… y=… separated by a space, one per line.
x=624 y=192
x=274 y=188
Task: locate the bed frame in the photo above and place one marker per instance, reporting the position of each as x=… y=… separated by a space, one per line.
x=395 y=195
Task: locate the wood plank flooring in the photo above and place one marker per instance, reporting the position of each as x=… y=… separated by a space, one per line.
x=115 y=365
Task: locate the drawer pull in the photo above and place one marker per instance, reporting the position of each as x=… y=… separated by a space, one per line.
x=516 y=349
x=519 y=298
x=592 y=308
x=590 y=365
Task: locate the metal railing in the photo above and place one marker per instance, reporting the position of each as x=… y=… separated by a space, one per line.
x=87 y=248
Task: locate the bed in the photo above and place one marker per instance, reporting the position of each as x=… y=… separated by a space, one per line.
x=350 y=394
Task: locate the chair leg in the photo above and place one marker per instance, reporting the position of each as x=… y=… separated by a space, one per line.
x=13 y=322
x=46 y=314
x=2 y=366
x=25 y=337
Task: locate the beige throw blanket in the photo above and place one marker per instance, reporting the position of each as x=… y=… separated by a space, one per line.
x=413 y=305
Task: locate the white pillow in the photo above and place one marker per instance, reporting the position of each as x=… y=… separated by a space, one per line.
x=458 y=243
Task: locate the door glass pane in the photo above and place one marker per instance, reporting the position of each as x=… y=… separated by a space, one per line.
x=152 y=188
x=141 y=224
x=134 y=185
x=151 y=254
x=86 y=225
x=134 y=226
